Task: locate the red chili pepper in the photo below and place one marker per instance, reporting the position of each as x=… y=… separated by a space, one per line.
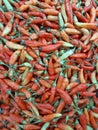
x=83 y=121
x=52 y=25
x=16 y=118
x=53 y=93
x=90 y=94
x=20 y=103
x=45 y=96
x=37 y=66
x=87 y=8
x=79 y=88
x=90 y=68
x=78 y=126
x=45 y=35
x=60 y=80
x=3 y=85
x=50 y=48
x=38 y=21
x=78 y=55
x=37 y=14
x=65 y=96
x=92 y=120
x=46 y=106
x=95 y=109
x=69 y=11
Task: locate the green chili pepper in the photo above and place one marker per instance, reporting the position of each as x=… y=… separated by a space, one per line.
x=8 y=5
x=67 y=54
x=61 y=22
x=45 y=126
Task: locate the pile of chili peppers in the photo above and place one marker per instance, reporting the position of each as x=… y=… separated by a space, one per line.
x=48 y=64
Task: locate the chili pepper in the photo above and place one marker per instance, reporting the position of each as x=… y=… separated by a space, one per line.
x=28 y=78
x=12 y=84
x=14 y=57
x=14 y=45
x=44 y=83
x=83 y=121
x=95 y=109
x=69 y=11
x=79 y=88
x=27 y=93
x=72 y=85
x=64 y=126
x=93 y=79
x=50 y=68
x=8 y=5
x=63 y=12
x=64 y=83
x=64 y=36
x=45 y=96
x=65 y=96
x=87 y=8
x=37 y=14
x=67 y=54
x=20 y=103
x=93 y=14
x=16 y=118
x=46 y=106
x=52 y=25
x=8 y=28
x=33 y=43
x=4 y=85
x=45 y=126
x=61 y=22
x=95 y=35
x=78 y=55
x=78 y=126
x=81 y=76
x=86 y=25
x=80 y=17
x=53 y=92
x=60 y=79
x=92 y=120
x=44 y=110
x=87 y=94
x=29 y=126
x=72 y=31
x=45 y=35
x=60 y=106
x=50 y=48
x=36 y=112
x=50 y=117
x=37 y=66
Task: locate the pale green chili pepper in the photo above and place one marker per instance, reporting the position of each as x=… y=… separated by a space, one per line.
x=1 y=26
x=61 y=22
x=8 y=5
x=45 y=126
x=67 y=54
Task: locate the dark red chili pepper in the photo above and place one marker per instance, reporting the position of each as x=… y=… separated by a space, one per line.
x=79 y=88
x=80 y=17
x=83 y=121
x=50 y=48
x=65 y=96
